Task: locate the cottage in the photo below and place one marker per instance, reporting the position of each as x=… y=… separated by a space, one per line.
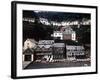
x=28 y=55
x=68 y=33
x=65 y=33
x=30 y=43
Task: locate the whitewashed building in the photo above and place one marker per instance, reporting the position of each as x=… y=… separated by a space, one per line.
x=68 y=33
x=57 y=34
x=44 y=21
x=65 y=33
x=30 y=43
x=74 y=52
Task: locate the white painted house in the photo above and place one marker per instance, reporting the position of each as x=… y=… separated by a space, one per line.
x=44 y=21
x=57 y=34
x=66 y=33
x=73 y=51
x=30 y=43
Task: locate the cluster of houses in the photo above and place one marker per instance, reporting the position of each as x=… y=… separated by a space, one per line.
x=45 y=21
x=64 y=23
x=63 y=46
x=49 y=50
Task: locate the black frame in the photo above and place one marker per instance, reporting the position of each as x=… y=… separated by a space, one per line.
x=14 y=38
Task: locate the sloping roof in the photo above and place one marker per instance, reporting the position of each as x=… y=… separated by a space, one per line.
x=28 y=51
x=46 y=42
x=58 y=44
x=32 y=40
x=45 y=46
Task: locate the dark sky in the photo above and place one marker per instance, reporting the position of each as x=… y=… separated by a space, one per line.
x=56 y=16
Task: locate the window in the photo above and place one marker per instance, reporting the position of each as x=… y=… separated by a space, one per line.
x=27 y=57
x=72 y=54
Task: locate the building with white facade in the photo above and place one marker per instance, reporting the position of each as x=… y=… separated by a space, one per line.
x=65 y=33
x=44 y=21
x=68 y=33
x=74 y=52
x=57 y=34
x=30 y=43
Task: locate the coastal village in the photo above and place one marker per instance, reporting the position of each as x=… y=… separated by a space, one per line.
x=62 y=46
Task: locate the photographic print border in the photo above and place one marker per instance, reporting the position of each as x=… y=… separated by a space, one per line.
x=14 y=38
